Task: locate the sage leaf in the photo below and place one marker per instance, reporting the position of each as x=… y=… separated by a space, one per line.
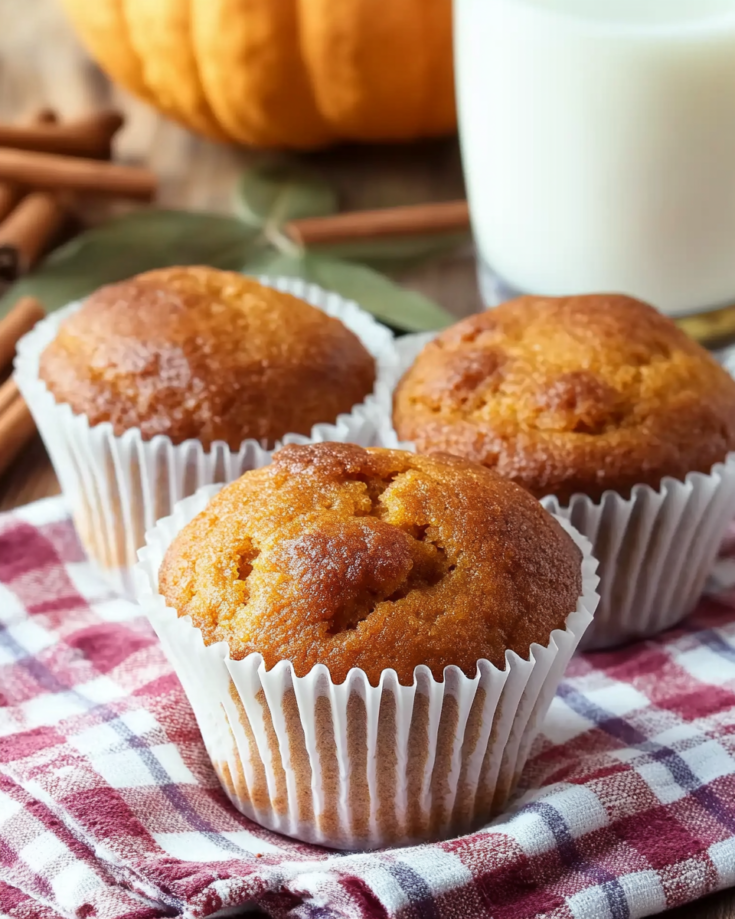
x=402 y=309
x=274 y=193
x=128 y=245
x=392 y=256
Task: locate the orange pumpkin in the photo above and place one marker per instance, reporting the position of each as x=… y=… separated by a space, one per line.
x=281 y=73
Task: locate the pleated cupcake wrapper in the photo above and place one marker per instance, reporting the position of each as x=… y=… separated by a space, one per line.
x=655 y=548
x=118 y=486
x=356 y=766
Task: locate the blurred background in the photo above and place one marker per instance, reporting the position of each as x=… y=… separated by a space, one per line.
x=43 y=63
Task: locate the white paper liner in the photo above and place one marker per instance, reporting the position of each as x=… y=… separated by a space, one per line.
x=355 y=766
x=118 y=486
x=655 y=548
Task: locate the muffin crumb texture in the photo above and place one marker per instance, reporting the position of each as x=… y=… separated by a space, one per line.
x=373 y=559
x=197 y=353
x=577 y=394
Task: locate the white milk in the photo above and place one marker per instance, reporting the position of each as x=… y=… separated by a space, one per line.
x=598 y=139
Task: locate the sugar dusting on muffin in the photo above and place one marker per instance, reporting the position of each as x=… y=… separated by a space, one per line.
x=577 y=394
x=373 y=559
x=197 y=353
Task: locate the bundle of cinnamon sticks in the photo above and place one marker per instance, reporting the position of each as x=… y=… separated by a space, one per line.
x=45 y=161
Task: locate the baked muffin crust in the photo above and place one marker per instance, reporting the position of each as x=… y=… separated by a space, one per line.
x=577 y=394
x=194 y=352
x=373 y=559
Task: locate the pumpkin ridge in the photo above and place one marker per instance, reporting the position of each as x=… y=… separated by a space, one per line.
x=103 y=29
x=252 y=70
x=368 y=69
x=161 y=34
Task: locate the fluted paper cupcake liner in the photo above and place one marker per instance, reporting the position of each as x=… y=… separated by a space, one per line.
x=350 y=765
x=119 y=485
x=655 y=548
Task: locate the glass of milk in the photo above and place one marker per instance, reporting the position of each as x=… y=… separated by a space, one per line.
x=598 y=141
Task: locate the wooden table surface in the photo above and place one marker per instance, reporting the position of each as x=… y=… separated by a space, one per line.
x=42 y=64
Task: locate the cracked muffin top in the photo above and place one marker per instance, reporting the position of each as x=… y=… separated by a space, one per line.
x=580 y=394
x=205 y=354
x=373 y=559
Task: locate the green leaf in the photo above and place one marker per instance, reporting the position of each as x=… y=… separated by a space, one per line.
x=131 y=244
x=394 y=255
x=278 y=192
x=396 y=306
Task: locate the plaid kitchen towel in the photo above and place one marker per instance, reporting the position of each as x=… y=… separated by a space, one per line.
x=109 y=807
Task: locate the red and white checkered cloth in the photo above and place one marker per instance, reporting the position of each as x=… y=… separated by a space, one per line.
x=109 y=806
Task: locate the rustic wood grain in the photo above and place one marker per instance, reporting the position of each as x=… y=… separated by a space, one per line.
x=41 y=64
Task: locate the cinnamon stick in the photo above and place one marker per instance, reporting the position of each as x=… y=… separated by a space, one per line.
x=21 y=319
x=8 y=394
x=49 y=170
x=90 y=136
x=16 y=429
x=413 y=220
x=27 y=230
x=16 y=422
x=10 y=193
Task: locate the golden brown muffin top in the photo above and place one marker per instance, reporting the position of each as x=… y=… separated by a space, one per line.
x=373 y=559
x=200 y=353
x=580 y=394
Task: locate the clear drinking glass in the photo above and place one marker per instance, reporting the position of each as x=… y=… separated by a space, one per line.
x=598 y=142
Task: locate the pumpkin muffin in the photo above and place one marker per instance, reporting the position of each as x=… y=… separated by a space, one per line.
x=373 y=559
x=175 y=379
x=344 y=623
x=616 y=419
x=197 y=353
x=571 y=395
